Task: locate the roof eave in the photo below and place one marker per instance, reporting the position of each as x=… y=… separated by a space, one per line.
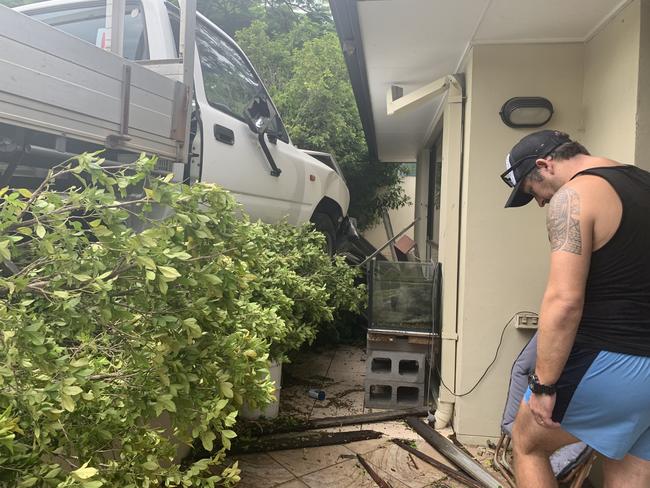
x=346 y=19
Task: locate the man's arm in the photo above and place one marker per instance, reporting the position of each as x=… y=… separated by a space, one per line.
x=570 y=231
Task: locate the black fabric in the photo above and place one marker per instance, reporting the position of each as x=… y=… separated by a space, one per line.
x=579 y=361
x=616 y=315
x=517 y=197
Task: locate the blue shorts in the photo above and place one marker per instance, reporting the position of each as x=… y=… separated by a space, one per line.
x=603 y=399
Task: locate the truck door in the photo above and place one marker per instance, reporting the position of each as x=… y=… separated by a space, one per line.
x=232 y=156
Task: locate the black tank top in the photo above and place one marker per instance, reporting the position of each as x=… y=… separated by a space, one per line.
x=616 y=315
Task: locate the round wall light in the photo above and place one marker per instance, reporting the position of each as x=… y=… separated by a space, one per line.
x=526 y=112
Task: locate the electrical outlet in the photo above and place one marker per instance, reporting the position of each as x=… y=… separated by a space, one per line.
x=526 y=320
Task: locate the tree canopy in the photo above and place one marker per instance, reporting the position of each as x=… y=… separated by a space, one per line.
x=128 y=297
x=280 y=15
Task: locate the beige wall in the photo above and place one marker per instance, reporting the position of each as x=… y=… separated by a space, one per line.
x=503 y=251
x=598 y=89
x=611 y=74
x=642 y=153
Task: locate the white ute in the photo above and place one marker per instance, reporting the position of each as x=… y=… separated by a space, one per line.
x=236 y=138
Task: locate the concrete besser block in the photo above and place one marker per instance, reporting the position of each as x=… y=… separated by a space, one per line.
x=405 y=367
x=393 y=394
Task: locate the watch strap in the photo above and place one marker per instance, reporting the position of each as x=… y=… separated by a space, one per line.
x=538 y=388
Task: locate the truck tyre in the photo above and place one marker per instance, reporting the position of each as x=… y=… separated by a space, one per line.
x=324 y=224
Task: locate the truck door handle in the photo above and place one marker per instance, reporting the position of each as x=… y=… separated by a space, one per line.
x=224 y=134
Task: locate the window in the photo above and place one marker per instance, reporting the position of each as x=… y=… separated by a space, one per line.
x=230 y=84
x=88 y=22
x=229 y=81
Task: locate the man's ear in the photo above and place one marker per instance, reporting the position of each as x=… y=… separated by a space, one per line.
x=545 y=164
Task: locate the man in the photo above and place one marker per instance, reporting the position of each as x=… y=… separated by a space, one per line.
x=592 y=376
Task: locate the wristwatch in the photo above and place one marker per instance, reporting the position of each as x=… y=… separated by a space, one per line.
x=538 y=388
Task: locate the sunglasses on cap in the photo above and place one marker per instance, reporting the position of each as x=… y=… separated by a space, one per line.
x=505 y=176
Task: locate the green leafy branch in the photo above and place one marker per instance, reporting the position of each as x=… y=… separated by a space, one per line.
x=137 y=316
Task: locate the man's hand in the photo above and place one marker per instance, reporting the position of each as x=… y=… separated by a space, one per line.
x=542 y=409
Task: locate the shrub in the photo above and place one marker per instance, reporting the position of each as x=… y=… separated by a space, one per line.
x=126 y=297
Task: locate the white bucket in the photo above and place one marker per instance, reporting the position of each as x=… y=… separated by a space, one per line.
x=271 y=411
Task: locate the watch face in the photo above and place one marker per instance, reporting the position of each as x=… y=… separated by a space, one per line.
x=537 y=388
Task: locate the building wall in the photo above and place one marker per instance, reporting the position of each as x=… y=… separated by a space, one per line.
x=611 y=72
x=598 y=89
x=642 y=153
x=504 y=252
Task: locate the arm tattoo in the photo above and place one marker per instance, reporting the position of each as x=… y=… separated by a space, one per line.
x=563 y=222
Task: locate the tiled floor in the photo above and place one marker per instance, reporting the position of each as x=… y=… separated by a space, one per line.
x=337 y=467
x=340 y=374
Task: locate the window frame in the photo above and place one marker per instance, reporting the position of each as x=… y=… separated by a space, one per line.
x=209 y=29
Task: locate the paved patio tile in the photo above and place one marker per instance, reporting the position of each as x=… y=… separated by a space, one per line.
x=342 y=399
x=344 y=396
x=341 y=373
x=293 y=484
x=403 y=466
x=294 y=401
x=309 y=370
x=363 y=447
x=349 y=361
x=349 y=474
x=311 y=364
x=261 y=471
x=304 y=461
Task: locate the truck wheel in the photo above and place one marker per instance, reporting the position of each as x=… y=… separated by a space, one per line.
x=323 y=224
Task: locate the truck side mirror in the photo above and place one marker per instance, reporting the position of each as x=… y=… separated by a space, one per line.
x=259 y=115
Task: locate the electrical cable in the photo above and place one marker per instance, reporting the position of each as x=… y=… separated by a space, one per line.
x=496 y=355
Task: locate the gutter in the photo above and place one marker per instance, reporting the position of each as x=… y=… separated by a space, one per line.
x=346 y=20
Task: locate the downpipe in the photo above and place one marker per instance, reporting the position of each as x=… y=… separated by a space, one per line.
x=443 y=415
x=449 y=354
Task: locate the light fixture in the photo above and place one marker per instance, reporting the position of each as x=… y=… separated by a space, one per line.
x=526 y=112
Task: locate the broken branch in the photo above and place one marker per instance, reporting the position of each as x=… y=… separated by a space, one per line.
x=373 y=474
x=312 y=439
x=452 y=473
x=451 y=452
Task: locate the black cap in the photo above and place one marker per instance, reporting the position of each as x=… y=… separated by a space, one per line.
x=521 y=161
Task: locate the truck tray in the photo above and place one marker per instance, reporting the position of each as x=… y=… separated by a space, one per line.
x=55 y=83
